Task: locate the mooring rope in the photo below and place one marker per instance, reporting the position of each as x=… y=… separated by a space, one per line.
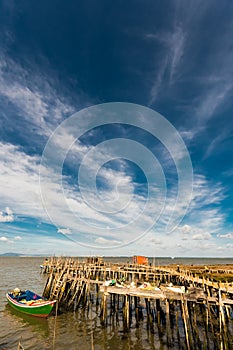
x=54 y=329
x=92 y=335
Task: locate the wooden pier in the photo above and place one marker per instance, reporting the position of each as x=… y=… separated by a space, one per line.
x=188 y=306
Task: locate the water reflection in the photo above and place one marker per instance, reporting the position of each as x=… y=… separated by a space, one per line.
x=36 y=324
x=75 y=330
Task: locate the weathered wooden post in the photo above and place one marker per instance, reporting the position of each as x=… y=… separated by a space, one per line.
x=136 y=310
x=184 y=315
x=103 y=312
x=149 y=315
x=126 y=314
x=168 y=323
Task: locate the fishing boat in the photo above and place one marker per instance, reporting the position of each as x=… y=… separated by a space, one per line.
x=30 y=303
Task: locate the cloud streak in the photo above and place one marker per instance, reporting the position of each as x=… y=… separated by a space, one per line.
x=182 y=63
x=173 y=46
x=33 y=96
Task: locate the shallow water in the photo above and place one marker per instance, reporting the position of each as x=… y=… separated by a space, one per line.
x=70 y=330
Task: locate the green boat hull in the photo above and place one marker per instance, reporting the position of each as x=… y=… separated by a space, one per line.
x=42 y=310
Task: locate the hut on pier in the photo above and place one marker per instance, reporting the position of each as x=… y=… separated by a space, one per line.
x=140 y=260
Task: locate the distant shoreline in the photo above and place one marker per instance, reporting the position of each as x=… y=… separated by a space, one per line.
x=153 y=261
x=109 y=256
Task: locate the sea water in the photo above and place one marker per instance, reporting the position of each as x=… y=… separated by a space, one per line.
x=69 y=330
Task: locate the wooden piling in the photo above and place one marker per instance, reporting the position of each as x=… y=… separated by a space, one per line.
x=185 y=320
x=205 y=305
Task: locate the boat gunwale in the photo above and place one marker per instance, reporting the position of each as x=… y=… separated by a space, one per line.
x=23 y=305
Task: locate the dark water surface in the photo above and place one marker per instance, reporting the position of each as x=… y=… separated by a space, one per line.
x=71 y=330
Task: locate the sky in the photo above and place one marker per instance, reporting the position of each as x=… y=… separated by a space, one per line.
x=116 y=128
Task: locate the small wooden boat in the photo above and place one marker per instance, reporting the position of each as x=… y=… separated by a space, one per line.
x=29 y=303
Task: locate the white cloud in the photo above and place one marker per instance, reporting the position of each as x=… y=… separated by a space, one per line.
x=187 y=135
x=103 y=241
x=156 y=240
x=177 y=48
x=178 y=63
x=17 y=238
x=205 y=193
x=34 y=97
x=19 y=175
x=6 y=240
x=207 y=104
x=204 y=219
x=19 y=178
x=65 y=231
x=158 y=82
x=174 y=45
x=19 y=185
x=8 y=211
x=215 y=84
x=201 y=236
x=223 y=135
x=186 y=228
x=7 y=215
x=227 y=235
x=206 y=248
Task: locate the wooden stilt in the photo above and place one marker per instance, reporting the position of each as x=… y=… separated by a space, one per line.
x=77 y=284
x=168 y=323
x=184 y=315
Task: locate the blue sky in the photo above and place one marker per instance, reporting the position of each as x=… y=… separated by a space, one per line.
x=63 y=68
